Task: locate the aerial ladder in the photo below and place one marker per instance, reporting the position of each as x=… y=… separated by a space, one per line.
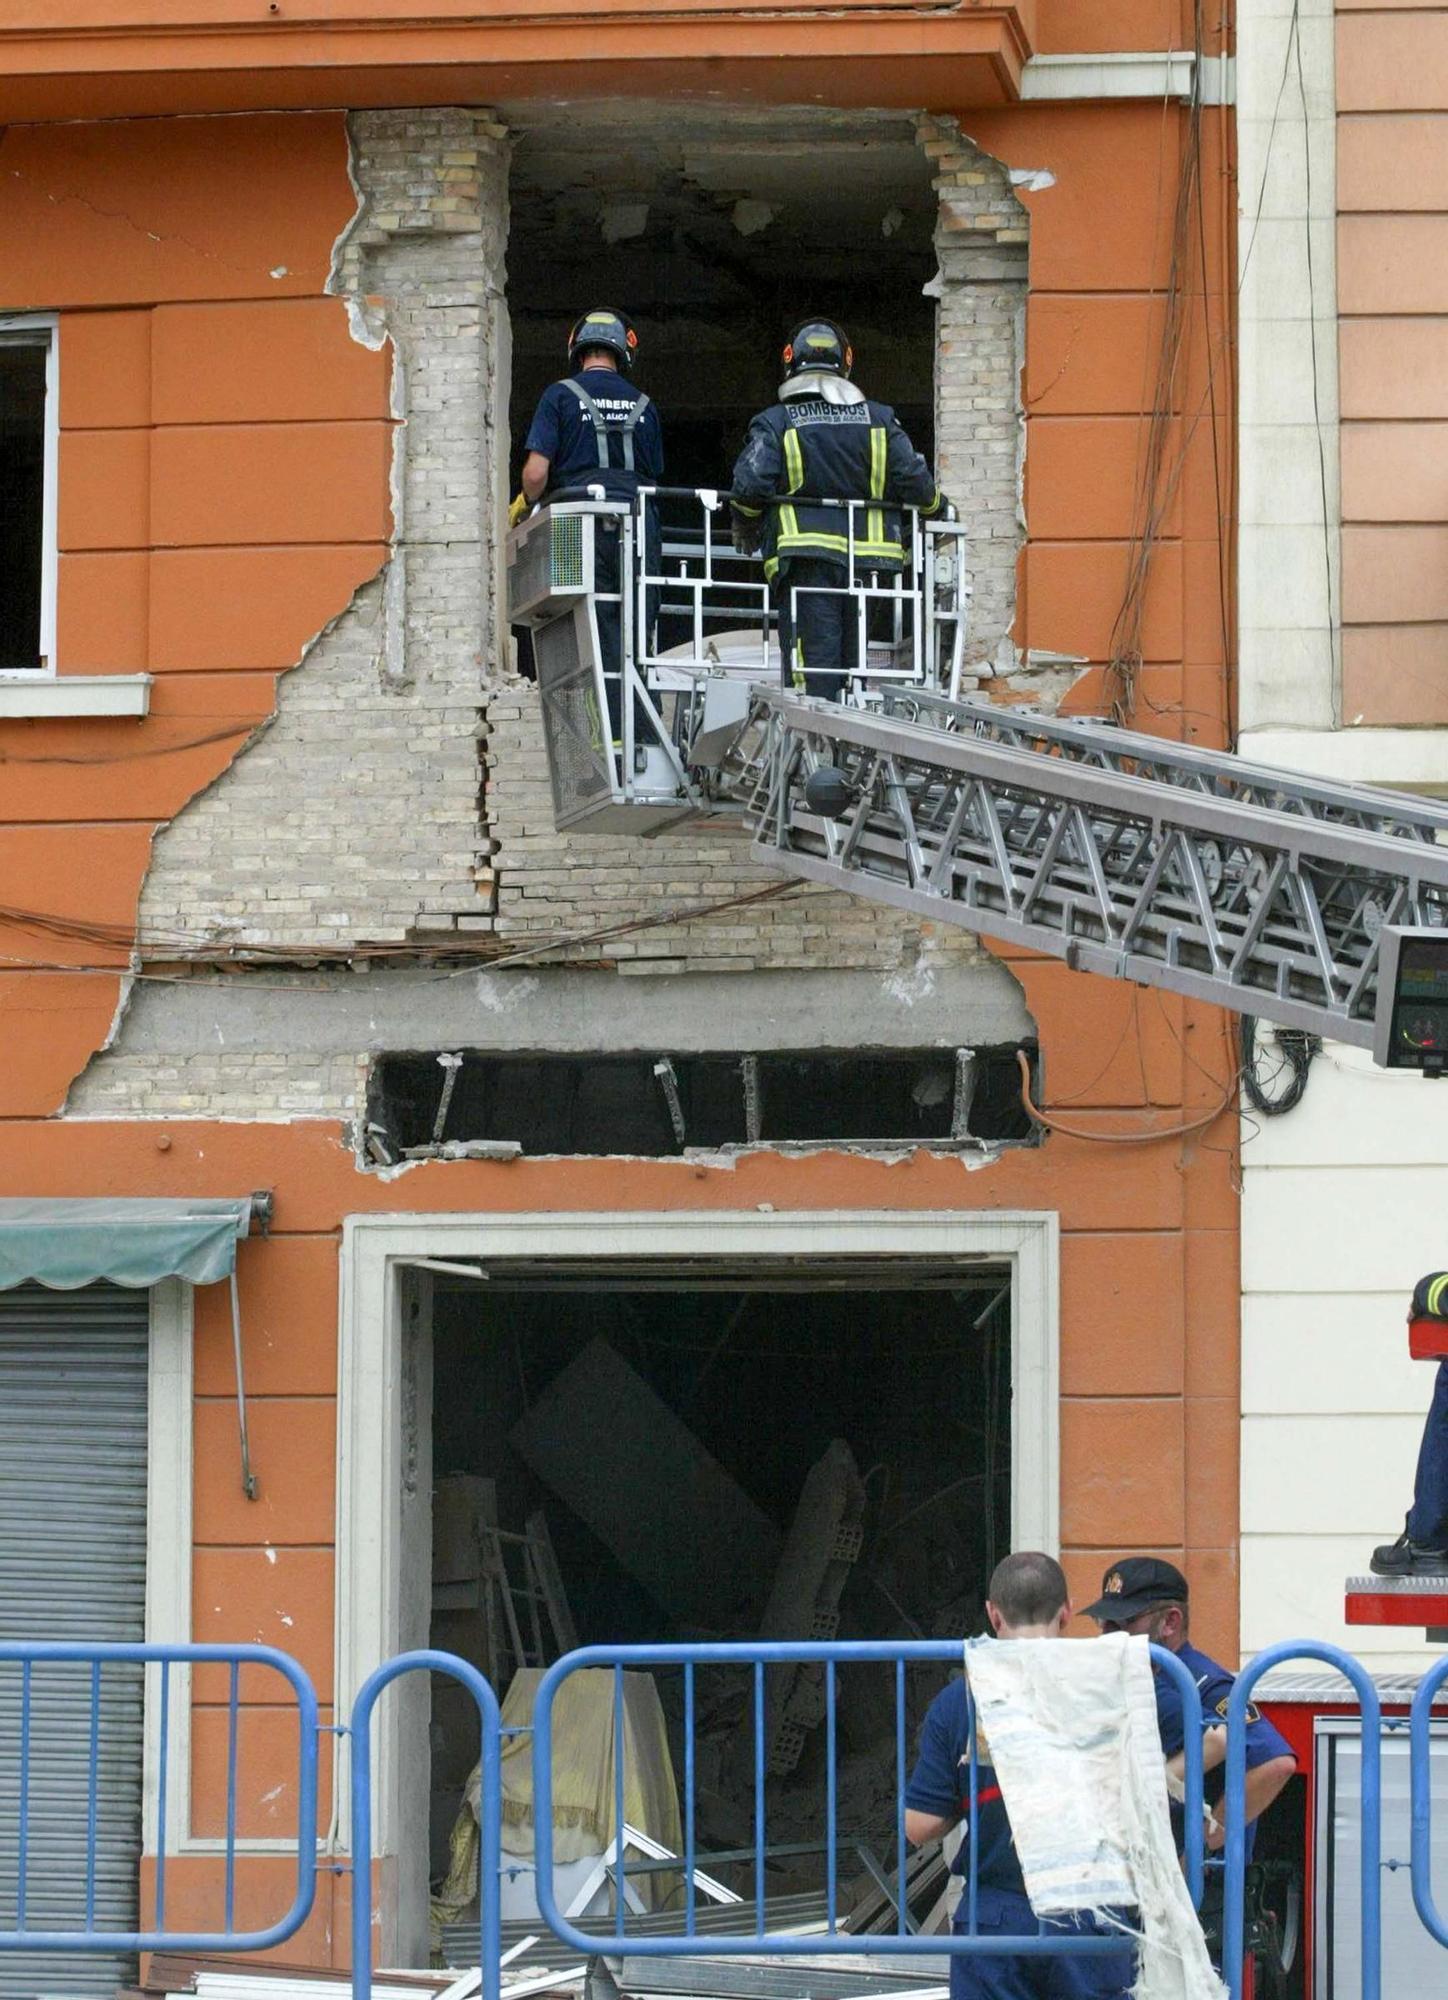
x=1315 y=906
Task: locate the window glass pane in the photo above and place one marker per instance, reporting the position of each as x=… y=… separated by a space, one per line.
x=22 y=500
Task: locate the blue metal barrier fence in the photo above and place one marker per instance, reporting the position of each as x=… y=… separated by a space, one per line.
x=755 y=1661
x=1236 y=1804
x=490 y=1813
x=32 y=1660
x=757 y=1658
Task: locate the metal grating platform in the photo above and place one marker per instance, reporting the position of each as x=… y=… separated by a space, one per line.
x=1398 y=1600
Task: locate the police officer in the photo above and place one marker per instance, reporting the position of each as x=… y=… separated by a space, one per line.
x=824 y=440
x=595 y=428
x=1422 y=1548
x=1026 y=1600
x=1147 y=1596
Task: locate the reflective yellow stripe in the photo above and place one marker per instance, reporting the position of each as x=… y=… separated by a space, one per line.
x=874 y=530
x=792 y=536
x=934 y=502
x=1438 y=1293
x=793 y=461
x=877 y=463
x=740 y=508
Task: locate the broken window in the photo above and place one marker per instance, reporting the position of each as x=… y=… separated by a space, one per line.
x=717 y=232
x=27 y=495
x=668 y=1103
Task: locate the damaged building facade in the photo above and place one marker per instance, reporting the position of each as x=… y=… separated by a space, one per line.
x=650 y=1247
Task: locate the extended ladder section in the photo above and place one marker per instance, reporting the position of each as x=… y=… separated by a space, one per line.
x=1263 y=891
x=1320 y=907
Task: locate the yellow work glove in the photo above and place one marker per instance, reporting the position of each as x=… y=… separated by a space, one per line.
x=518 y=509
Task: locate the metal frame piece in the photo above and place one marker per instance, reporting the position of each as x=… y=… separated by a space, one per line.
x=1185 y=878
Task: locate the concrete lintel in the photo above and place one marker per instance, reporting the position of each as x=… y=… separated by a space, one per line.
x=931 y=1005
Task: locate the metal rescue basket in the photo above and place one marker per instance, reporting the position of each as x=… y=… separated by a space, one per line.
x=646 y=683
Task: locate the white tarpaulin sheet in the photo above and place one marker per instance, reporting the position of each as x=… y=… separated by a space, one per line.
x=1072 y=1734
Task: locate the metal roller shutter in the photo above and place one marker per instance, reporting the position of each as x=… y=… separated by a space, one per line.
x=73 y=1373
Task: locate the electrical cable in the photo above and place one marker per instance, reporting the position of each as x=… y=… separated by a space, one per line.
x=1049 y=1124
x=1297 y=1048
x=143 y=750
x=483 y=955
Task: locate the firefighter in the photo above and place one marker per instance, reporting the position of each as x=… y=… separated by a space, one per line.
x=596 y=428
x=824 y=440
x=1422 y=1548
x=1027 y=1599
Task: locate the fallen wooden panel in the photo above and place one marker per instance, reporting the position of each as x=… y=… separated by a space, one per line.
x=616 y=1454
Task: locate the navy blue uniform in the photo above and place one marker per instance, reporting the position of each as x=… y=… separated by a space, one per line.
x=1427 y=1522
x=566 y=431
x=608 y=436
x=1214 y=1685
x=940 y=1785
x=826 y=441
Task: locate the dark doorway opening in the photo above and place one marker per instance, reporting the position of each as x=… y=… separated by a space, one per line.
x=672 y=1432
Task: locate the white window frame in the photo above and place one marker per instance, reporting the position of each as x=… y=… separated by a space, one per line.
x=42 y=330
x=371 y=1468
x=169 y=1555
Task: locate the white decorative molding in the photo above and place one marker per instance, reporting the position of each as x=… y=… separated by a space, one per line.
x=377 y=1248
x=59 y=695
x=1413 y=758
x=168 y=1556
x=1289 y=511
x=1130 y=74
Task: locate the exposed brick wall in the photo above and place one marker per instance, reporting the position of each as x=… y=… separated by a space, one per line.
x=219 y=1083
x=401 y=791
x=982 y=243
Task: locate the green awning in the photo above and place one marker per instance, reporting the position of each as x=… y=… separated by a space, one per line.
x=69 y=1243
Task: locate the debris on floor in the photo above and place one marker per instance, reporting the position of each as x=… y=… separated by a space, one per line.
x=824 y=1540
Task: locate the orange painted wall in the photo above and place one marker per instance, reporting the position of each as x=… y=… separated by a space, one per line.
x=189 y=375
x=1392 y=229
x=223 y=490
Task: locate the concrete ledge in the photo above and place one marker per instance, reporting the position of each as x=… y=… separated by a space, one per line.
x=54 y=695
x=1128 y=74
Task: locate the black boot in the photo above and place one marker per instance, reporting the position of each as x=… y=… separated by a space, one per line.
x=1405 y=1557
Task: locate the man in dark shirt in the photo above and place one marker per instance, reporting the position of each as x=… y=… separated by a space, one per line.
x=595 y=428
x=1147 y=1596
x=1027 y=1600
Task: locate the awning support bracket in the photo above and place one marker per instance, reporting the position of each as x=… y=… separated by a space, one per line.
x=248 y=1477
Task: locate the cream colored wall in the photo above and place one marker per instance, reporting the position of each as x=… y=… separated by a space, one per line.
x=1345 y=1205
x=1344 y=1200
